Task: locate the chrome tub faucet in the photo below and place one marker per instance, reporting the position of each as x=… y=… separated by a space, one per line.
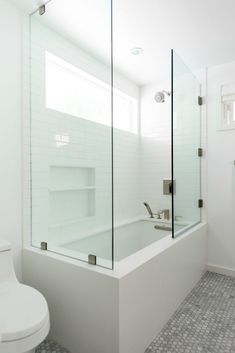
x=165 y=212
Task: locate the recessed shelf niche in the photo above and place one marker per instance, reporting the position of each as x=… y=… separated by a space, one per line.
x=72 y=194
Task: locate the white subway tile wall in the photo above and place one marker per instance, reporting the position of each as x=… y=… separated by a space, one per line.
x=187 y=140
x=155 y=146
x=75 y=146
x=64 y=145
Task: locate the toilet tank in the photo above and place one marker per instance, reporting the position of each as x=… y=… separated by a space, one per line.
x=7 y=272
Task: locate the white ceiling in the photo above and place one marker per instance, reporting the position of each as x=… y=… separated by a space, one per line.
x=27 y=5
x=201 y=31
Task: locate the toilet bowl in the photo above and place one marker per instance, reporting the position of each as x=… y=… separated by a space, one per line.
x=24 y=314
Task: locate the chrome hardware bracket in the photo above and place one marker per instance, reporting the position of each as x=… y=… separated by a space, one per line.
x=92 y=259
x=44 y=246
x=42 y=10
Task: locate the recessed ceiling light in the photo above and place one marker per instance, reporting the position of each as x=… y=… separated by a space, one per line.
x=137 y=51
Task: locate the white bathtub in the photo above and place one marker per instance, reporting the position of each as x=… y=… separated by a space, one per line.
x=103 y=311
x=129 y=238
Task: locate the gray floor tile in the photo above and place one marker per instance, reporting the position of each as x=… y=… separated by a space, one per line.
x=50 y=346
x=204 y=323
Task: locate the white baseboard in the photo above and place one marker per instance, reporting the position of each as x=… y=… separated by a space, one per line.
x=221 y=270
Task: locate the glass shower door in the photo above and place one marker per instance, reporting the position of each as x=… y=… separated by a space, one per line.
x=186 y=140
x=71 y=130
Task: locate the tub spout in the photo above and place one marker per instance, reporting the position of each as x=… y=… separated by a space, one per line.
x=163 y=227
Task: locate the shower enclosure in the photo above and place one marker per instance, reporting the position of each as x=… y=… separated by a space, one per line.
x=101 y=145
x=115 y=176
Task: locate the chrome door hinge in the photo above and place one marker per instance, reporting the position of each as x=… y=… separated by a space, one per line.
x=200 y=100
x=200 y=203
x=44 y=245
x=42 y=10
x=200 y=152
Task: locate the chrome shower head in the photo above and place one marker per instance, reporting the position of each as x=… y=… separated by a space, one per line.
x=161 y=96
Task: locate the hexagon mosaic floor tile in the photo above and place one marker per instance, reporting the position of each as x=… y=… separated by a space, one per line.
x=50 y=346
x=204 y=323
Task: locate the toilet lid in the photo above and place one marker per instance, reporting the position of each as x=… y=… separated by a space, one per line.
x=23 y=311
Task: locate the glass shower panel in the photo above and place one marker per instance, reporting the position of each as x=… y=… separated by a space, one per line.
x=186 y=139
x=71 y=129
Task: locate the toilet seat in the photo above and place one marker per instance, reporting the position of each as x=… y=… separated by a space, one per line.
x=27 y=344
x=24 y=312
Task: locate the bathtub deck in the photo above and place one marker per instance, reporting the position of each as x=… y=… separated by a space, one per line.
x=204 y=323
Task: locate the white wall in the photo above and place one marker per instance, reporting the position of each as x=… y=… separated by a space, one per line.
x=10 y=127
x=221 y=174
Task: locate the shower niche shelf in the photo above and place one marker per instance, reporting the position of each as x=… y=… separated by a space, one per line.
x=72 y=188
x=71 y=178
x=72 y=194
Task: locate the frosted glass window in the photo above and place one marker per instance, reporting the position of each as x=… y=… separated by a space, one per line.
x=228 y=111
x=228 y=117
x=73 y=91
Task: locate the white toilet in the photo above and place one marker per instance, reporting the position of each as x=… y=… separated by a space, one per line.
x=24 y=315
